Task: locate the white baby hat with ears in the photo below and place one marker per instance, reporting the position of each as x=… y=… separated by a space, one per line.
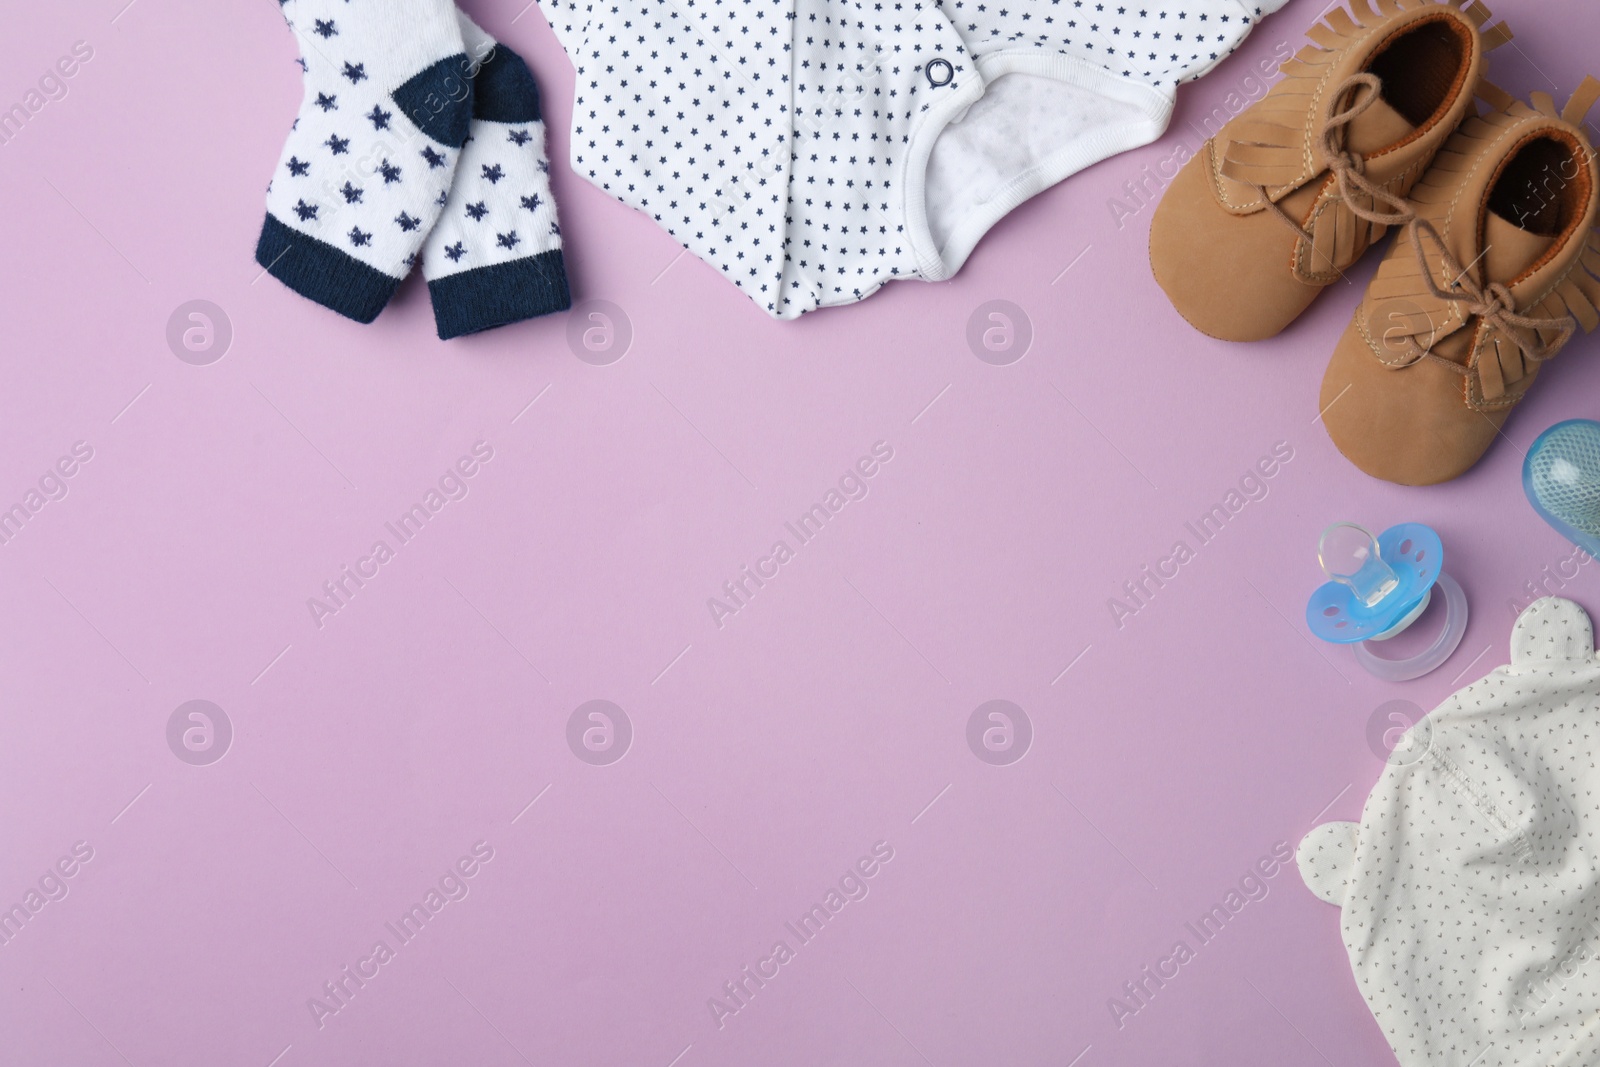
x=1470 y=890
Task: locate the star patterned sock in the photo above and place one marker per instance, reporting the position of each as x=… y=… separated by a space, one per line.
x=495 y=255
x=367 y=166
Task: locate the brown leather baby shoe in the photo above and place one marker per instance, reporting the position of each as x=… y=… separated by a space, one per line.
x=1495 y=275
x=1291 y=192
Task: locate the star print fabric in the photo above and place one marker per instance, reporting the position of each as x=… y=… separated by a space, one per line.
x=1470 y=889
x=495 y=254
x=812 y=150
x=388 y=126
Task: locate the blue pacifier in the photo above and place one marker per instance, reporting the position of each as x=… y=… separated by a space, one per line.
x=1562 y=479
x=1381 y=586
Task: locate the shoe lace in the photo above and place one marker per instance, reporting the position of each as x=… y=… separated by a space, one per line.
x=1348 y=168
x=1493 y=302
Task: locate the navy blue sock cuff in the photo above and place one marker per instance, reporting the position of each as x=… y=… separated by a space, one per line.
x=323 y=273
x=485 y=297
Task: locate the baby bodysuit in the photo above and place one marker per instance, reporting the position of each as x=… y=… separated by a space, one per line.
x=812 y=150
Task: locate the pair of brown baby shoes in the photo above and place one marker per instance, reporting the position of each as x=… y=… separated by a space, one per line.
x=1496 y=263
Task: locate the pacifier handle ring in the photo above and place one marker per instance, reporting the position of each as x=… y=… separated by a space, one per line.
x=1450 y=634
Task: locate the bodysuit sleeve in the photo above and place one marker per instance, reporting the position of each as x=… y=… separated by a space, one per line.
x=1199 y=34
x=570 y=20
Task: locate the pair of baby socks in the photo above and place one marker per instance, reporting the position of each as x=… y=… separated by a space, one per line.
x=420 y=137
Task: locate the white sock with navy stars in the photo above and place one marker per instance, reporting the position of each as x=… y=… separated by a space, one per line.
x=364 y=173
x=494 y=256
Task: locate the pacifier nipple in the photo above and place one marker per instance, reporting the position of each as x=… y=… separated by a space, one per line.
x=1349 y=555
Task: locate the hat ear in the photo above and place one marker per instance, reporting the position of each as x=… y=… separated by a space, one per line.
x=1327 y=858
x=1552 y=631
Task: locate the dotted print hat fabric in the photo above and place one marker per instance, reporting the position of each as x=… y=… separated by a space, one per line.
x=812 y=150
x=1470 y=890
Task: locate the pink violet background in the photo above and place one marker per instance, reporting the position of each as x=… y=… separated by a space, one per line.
x=1169 y=754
